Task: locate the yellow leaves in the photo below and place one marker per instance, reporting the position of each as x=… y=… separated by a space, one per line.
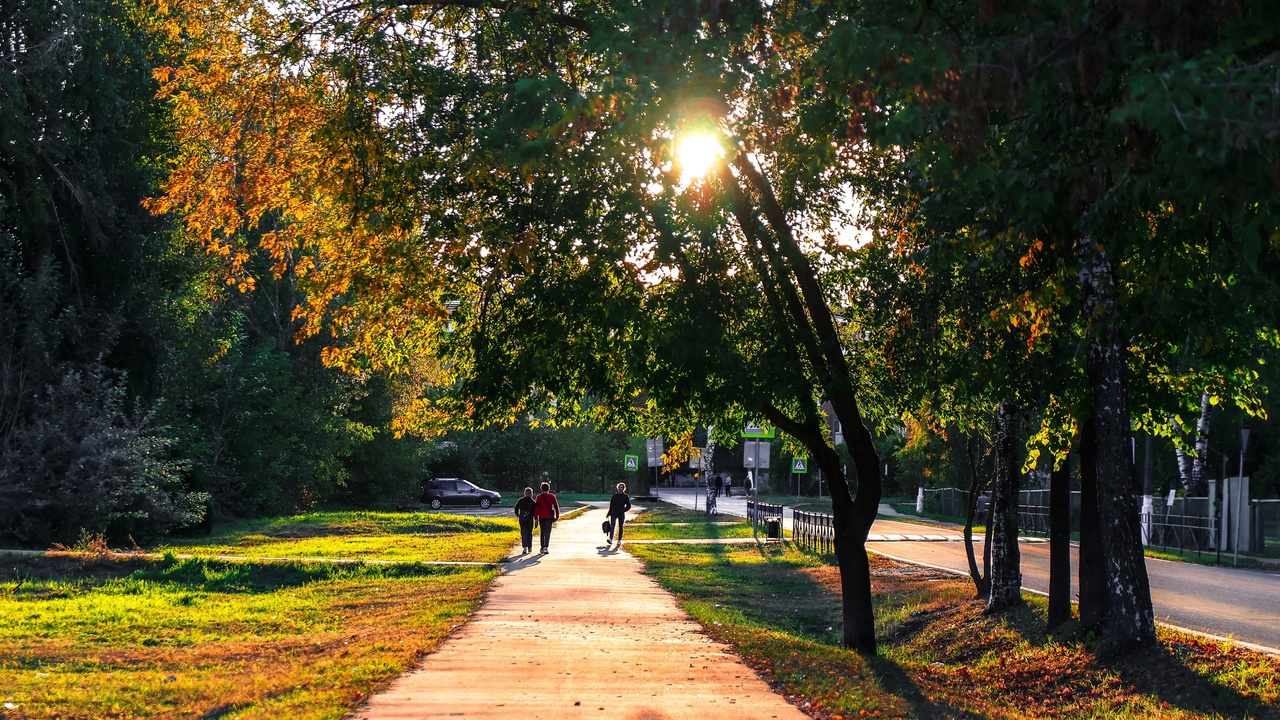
x=679 y=452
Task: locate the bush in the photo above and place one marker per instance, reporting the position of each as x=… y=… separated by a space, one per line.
x=77 y=462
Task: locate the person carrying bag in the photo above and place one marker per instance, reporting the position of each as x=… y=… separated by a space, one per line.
x=619 y=504
x=524 y=513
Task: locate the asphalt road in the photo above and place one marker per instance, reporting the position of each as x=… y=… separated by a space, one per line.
x=1227 y=602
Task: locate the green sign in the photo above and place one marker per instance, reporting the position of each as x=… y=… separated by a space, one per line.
x=754 y=431
x=799 y=465
x=632 y=462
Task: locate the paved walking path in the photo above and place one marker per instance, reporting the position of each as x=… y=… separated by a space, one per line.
x=580 y=633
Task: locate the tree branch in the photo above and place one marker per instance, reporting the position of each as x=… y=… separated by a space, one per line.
x=561 y=19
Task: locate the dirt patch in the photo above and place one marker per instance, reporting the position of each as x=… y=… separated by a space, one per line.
x=888 y=577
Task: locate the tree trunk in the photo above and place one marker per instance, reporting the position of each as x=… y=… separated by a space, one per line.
x=1093 y=577
x=1060 y=544
x=1198 y=485
x=794 y=291
x=1184 y=460
x=980 y=579
x=852 y=516
x=1130 y=621
x=1006 y=567
x=853 y=522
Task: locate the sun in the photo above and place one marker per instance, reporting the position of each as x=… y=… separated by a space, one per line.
x=697 y=154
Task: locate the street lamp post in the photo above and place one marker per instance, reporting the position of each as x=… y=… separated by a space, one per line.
x=1244 y=443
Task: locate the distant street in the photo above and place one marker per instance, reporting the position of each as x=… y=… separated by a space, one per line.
x=1243 y=604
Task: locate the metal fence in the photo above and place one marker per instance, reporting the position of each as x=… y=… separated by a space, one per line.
x=1033 y=519
x=952 y=502
x=814 y=531
x=760 y=513
x=1184 y=532
x=1267 y=527
x=1188 y=524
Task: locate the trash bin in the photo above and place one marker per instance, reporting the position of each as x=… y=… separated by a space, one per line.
x=773 y=528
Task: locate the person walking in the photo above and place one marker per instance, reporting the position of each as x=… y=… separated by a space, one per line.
x=547 y=510
x=728 y=486
x=524 y=513
x=719 y=485
x=619 y=504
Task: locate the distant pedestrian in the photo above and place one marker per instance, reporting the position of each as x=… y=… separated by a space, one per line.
x=984 y=503
x=524 y=513
x=619 y=504
x=719 y=485
x=728 y=486
x=547 y=510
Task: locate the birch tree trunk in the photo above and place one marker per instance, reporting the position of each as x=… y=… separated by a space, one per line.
x=1005 y=578
x=1198 y=485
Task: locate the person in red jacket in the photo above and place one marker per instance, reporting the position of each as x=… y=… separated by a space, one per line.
x=547 y=510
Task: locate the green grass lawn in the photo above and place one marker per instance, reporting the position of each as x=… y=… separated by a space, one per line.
x=94 y=637
x=656 y=523
x=940 y=656
x=363 y=535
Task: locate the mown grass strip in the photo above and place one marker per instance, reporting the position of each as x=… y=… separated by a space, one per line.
x=663 y=521
x=401 y=537
x=88 y=637
x=940 y=655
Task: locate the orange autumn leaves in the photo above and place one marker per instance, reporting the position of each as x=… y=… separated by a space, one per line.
x=265 y=177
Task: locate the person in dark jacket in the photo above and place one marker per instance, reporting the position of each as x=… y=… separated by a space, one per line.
x=524 y=513
x=619 y=504
x=547 y=510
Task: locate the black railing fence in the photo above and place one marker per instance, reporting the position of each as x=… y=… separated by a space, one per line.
x=760 y=513
x=814 y=531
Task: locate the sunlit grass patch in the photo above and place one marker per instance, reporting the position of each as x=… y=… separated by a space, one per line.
x=403 y=536
x=663 y=521
x=703 y=530
x=662 y=512
x=190 y=638
x=940 y=655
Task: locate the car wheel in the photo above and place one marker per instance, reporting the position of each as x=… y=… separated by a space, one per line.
x=435 y=503
x=484 y=503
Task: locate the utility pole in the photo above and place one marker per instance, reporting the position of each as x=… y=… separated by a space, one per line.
x=1235 y=546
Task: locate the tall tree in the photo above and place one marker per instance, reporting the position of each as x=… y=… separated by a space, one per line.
x=533 y=167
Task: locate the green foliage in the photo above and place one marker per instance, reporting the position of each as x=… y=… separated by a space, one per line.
x=79 y=461
x=572 y=458
x=138 y=392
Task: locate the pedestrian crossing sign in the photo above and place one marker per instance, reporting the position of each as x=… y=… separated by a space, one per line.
x=800 y=465
x=632 y=462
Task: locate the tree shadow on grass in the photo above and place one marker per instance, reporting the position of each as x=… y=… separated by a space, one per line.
x=207 y=575
x=897 y=682
x=1163 y=672
x=768 y=588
